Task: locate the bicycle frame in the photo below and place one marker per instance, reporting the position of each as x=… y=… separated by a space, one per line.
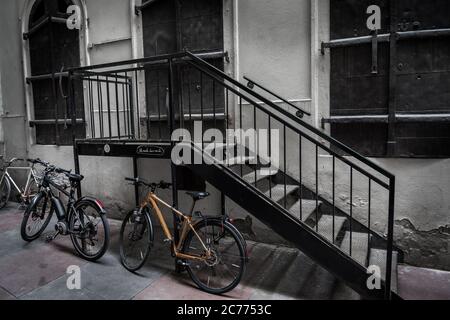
x=153 y=200
x=31 y=177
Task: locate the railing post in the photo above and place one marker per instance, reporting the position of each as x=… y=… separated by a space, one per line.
x=73 y=112
x=171 y=116
x=390 y=238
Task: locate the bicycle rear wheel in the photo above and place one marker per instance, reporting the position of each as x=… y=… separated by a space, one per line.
x=223 y=271
x=136 y=237
x=89 y=231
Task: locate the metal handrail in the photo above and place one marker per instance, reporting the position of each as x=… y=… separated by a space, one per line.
x=251 y=84
x=311 y=128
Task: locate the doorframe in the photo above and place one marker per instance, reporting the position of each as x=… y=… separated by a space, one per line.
x=230 y=44
x=85 y=58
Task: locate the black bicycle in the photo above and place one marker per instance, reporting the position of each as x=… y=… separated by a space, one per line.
x=83 y=219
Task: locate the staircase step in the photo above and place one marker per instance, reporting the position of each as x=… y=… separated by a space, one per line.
x=277 y=193
x=359 y=246
x=239 y=161
x=325 y=227
x=218 y=146
x=378 y=258
x=260 y=175
x=308 y=208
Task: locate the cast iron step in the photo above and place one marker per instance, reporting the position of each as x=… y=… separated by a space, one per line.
x=278 y=192
x=359 y=242
x=378 y=258
x=308 y=208
x=325 y=227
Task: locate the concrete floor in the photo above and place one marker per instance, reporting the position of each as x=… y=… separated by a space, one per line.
x=37 y=271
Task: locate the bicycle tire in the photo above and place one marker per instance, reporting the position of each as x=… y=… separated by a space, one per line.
x=81 y=208
x=5 y=192
x=30 y=212
x=240 y=261
x=147 y=226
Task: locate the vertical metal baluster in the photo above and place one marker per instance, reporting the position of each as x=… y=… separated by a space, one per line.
x=300 y=157
x=138 y=108
x=202 y=108
x=158 y=84
x=127 y=106
x=117 y=108
x=270 y=154
x=131 y=103
x=390 y=238
x=125 y=112
x=256 y=144
x=190 y=100
x=131 y=106
x=91 y=107
x=181 y=95
x=227 y=127
x=241 y=146
x=351 y=209
x=334 y=199
x=100 y=106
x=109 y=107
x=317 y=188
x=369 y=213
x=214 y=104
x=285 y=166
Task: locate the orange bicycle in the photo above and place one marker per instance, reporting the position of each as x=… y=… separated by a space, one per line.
x=211 y=249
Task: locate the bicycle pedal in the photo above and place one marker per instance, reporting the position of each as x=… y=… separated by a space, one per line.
x=182 y=263
x=50 y=238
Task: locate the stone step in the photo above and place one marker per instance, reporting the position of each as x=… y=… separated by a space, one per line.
x=260 y=175
x=359 y=242
x=378 y=258
x=277 y=193
x=308 y=208
x=325 y=227
x=220 y=146
x=239 y=161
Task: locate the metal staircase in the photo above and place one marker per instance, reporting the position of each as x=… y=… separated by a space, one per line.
x=307 y=196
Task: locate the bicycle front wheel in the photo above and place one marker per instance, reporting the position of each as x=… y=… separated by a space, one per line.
x=36 y=218
x=5 y=192
x=89 y=231
x=222 y=271
x=136 y=237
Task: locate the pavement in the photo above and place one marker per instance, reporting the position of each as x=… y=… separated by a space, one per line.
x=38 y=271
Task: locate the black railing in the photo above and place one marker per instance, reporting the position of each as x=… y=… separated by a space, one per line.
x=179 y=89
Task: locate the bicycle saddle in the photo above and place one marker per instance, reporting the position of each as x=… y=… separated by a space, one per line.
x=198 y=195
x=75 y=177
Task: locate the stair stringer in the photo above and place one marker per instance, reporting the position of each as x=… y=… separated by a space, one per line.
x=294 y=231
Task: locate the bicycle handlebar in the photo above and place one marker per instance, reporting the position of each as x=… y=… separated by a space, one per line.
x=138 y=181
x=38 y=161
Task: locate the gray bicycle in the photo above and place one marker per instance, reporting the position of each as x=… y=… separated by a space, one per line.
x=31 y=187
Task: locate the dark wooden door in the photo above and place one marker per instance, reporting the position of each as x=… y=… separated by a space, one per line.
x=413 y=78
x=52 y=48
x=172 y=26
